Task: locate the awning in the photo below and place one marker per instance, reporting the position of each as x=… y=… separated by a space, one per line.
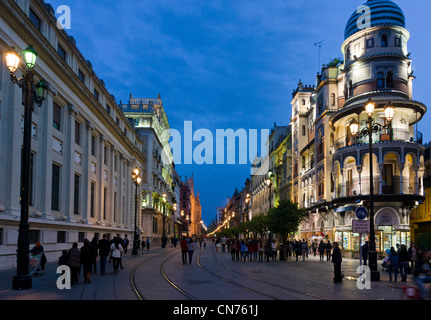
x=344 y=209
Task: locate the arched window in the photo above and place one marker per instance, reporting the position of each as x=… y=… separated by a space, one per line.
x=384 y=40
x=380 y=80
x=333 y=99
x=389 y=80
x=303 y=102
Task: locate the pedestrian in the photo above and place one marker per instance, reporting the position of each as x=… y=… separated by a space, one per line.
x=365 y=249
x=104 y=250
x=93 y=245
x=255 y=249
x=38 y=249
x=289 y=249
x=191 y=249
x=314 y=247
x=148 y=244
x=125 y=244
x=74 y=263
x=62 y=261
x=238 y=249
x=336 y=260
x=233 y=250
x=250 y=248
x=423 y=272
x=321 y=250
x=244 y=250
x=274 y=250
x=403 y=262
x=87 y=260
x=304 y=249
x=184 y=247
x=297 y=248
x=116 y=253
x=328 y=248
x=393 y=264
x=268 y=250
x=260 y=250
x=217 y=244
x=413 y=256
x=205 y=242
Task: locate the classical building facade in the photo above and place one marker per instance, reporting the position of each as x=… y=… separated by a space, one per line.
x=376 y=67
x=83 y=148
x=150 y=121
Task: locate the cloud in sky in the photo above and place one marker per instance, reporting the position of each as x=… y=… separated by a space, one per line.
x=224 y=63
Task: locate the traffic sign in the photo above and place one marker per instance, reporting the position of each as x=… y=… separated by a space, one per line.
x=361 y=226
x=361 y=213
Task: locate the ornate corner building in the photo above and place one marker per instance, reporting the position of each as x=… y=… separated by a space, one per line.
x=330 y=167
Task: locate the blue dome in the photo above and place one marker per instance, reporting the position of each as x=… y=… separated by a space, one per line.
x=383 y=13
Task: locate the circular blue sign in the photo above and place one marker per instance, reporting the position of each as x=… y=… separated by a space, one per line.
x=361 y=213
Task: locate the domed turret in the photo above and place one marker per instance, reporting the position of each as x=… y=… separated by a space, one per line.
x=383 y=13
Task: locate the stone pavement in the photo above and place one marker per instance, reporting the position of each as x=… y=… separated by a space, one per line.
x=312 y=274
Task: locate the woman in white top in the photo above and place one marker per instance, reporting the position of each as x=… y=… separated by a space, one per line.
x=191 y=249
x=116 y=252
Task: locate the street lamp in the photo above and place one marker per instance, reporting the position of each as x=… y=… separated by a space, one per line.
x=137 y=180
x=372 y=127
x=269 y=183
x=34 y=93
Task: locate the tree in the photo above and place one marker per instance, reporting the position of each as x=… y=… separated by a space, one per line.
x=284 y=219
x=259 y=225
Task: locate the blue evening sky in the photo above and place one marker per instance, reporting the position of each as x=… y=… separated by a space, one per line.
x=225 y=63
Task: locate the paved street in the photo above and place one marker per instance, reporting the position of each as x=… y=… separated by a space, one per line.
x=211 y=276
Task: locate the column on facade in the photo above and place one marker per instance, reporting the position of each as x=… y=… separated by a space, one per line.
x=86 y=169
x=120 y=182
x=401 y=168
x=43 y=169
x=381 y=168
x=416 y=171
x=343 y=185
x=68 y=160
x=335 y=179
x=100 y=178
x=111 y=186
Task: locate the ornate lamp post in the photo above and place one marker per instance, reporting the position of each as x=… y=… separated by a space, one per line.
x=372 y=127
x=34 y=93
x=268 y=182
x=164 y=221
x=137 y=180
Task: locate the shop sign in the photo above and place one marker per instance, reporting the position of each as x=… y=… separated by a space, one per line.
x=361 y=226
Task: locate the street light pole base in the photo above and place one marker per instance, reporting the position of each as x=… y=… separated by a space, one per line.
x=21 y=282
x=375 y=276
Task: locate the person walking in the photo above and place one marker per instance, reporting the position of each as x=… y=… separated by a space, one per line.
x=304 y=249
x=233 y=250
x=365 y=249
x=184 y=247
x=268 y=250
x=148 y=244
x=260 y=250
x=205 y=242
x=62 y=261
x=191 y=249
x=403 y=262
x=314 y=247
x=413 y=256
x=104 y=250
x=244 y=250
x=393 y=260
x=93 y=245
x=125 y=244
x=116 y=253
x=274 y=250
x=336 y=260
x=328 y=248
x=74 y=263
x=87 y=260
x=321 y=250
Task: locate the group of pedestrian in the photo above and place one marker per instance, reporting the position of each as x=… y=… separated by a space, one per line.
x=86 y=258
x=401 y=261
x=187 y=248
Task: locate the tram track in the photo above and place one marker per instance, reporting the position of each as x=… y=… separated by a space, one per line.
x=310 y=295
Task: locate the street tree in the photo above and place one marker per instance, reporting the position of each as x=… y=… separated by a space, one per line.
x=259 y=225
x=285 y=219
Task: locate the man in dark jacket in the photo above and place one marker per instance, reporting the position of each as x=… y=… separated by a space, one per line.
x=365 y=249
x=104 y=250
x=336 y=260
